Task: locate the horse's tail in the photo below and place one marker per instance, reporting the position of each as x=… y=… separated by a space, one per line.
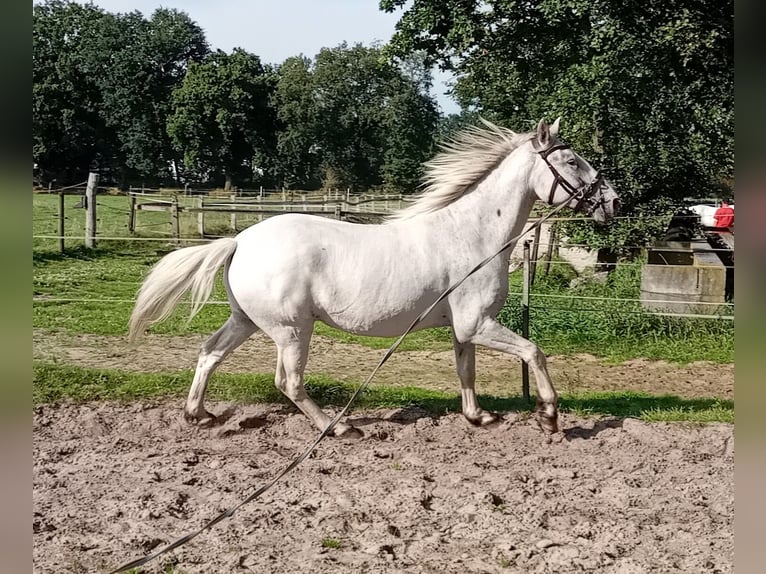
x=189 y=269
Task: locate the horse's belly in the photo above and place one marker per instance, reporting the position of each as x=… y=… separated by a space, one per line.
x=387 y=326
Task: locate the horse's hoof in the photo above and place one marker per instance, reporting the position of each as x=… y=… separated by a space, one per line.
x=342 y=430
x=549 y=424
x=484 y=418
x=205 y=420
x=547 y=417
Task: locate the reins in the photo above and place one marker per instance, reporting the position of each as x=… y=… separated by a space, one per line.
x=558 y=179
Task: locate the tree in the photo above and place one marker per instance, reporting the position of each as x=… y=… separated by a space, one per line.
x=298 y=147
x=354 y=119
x=411 y=119
x=101 y=89
x=69 y=134
x=221 y=117
x=645 y=89
x=349 y=90
x=451 y=124
x=147 y=60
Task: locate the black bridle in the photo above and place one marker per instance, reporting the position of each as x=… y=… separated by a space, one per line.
x=587 y=200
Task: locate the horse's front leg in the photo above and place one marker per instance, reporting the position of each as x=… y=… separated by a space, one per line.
x=493 y=335
x=465 y=361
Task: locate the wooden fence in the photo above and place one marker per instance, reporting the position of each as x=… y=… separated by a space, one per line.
x=335 y=205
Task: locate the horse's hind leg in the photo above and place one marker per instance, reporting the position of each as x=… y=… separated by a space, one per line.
x=465 y=361
x=292 y=356
x=234 y=332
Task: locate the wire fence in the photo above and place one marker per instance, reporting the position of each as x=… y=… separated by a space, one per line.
x=166 y=233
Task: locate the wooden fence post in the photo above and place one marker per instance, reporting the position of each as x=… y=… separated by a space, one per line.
x=233 y=216
x=90 y=215
x=132 y=214
x=201 y=216
x=61 y=221
x=175 y=221
x=525 y=319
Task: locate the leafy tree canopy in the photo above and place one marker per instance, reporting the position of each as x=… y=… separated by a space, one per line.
x=351 y=118
x=645 y=89
x=221 y=118
x=101 y=88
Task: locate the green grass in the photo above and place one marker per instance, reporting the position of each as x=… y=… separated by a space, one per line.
x=614 y=330
x=332 y=543
x=53 y=383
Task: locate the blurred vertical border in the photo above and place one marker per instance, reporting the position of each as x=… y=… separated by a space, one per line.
x=15 y=273
x=750 y=278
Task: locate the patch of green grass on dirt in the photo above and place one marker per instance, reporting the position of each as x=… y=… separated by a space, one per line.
x=332 y=543
x=54 y=383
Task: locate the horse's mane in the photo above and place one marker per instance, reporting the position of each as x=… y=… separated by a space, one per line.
x=462 y=161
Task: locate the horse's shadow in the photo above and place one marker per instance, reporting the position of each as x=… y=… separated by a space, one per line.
x=579 y=432
x=233 y=416
x=403 y=416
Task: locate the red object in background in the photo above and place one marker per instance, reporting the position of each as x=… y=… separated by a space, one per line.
x=724 y=216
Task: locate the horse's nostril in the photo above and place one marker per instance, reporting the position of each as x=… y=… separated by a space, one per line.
x=615 y=205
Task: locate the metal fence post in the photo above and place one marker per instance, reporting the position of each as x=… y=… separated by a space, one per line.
x=525 y=319
x=533 y=256
x=549 y=250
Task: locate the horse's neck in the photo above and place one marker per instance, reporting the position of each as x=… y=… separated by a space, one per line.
x=496 y=209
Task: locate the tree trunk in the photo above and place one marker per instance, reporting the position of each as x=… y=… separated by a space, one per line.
x=227 y=186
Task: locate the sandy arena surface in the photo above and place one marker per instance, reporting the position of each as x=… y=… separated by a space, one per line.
x=416 y=494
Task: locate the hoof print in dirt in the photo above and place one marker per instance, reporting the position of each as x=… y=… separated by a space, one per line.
x=252 y=422
x=347 y=432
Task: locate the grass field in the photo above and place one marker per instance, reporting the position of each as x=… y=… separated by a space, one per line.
x=53 y=383
x=92 y=291
x=109 y=277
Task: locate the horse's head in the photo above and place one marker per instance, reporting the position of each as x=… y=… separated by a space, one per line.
x=560 y=176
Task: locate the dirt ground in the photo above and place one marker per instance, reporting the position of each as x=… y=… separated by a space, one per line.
x=113 y=482
x=416 y=494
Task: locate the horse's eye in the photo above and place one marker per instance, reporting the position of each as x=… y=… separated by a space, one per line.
x=572 y=161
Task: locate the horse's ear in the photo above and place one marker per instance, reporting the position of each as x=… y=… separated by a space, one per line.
x=543 y=134
x=555 y=127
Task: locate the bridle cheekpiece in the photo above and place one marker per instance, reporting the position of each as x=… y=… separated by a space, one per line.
x=587 y=202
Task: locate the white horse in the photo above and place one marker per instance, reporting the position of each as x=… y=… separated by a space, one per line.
x=285 y=273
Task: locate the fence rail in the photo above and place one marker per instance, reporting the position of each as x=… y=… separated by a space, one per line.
x=335 y=204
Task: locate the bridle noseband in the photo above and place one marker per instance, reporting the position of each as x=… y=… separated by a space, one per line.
x=587 y=202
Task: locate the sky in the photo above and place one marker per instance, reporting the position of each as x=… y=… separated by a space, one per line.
x=277 y=29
